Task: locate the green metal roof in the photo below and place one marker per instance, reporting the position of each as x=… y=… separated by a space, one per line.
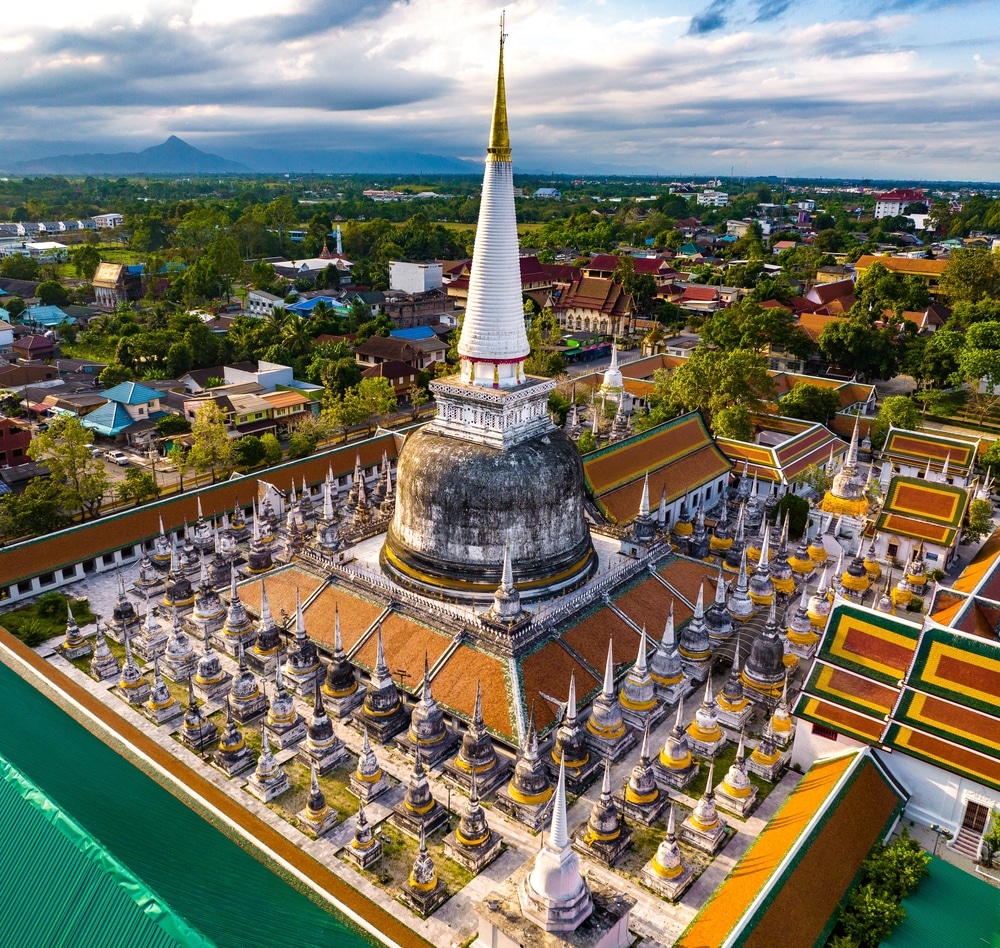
x=60 y=886
x=950 y=907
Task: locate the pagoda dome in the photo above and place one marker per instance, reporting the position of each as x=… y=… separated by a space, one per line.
x=179 y=647
x=872 y=566
x=855 y=577
x=732 y=697
x=604 y=822
x=427 y=724
x=665 y=666
x=764 y=670
x=340 y=678
x=736 y=783
x=641 y=789
x=683 y=526
x=819 y=604
x=800 y=561
x=529 y=784
x=705 y=726
x=798 y=626
x=245 y=685
x=817 y=552
x=282 y=710
x=676 y=753
x=570 y=744
x=704 y=816
x=459 y=502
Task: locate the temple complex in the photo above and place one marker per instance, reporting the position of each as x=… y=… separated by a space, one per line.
x=472 y=843
x=477 y=755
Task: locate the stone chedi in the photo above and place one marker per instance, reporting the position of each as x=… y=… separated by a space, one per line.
x=161 y=706
x=665 y=665
x=260 y=558
x=736 y=793
x=637 y=695
x=197 y=731
x=734 y=554
x=801 y=636
x=700 y=540
x=428 y=729
x=666 y=873
x=132 y=684
x=527 y=796
x=179 y=660
x=368 y=780
x=418 y=810
x=764 y=671
x=674 y=764
x=233 y=755
x=703 y=828
x=341 y=691
x=211 y=681
x=718 y=621
x=761 y=588
x=364 y=850
x=604 y=836
x=846 y=496
x=644 y=800
x=473 y=844
x=302 y=664
x=423 y=891
x=266 y=654
x=245 y=694
x=285 y=726
x=209 y=610
x=148 y=578
x=782 y=574
x=317 y=816
x=704 y=734
x=782 y=722
x=569 y=749
x=322 y=748
x=382 y=712
x=237 y=629
x=476 y=754
x=739 y=604
x=606 y=730
x=694 y=645
x=820 y=604
x=75 y=645
x=491 y=470
x=766 y=760
x=179 y=590
x=151 y=640
x=103 y=664
x=268 y=780
x=124 y=618
x=734 y=707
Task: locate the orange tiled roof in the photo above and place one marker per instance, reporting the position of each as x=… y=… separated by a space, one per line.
x=903 y=265
x=686 y=576
x=406 y=642
x=356 y=616
x=546 y=673
x=589 y=639
x=281 y=585
x=918 y=446
x=455 y=687
x=981 y=565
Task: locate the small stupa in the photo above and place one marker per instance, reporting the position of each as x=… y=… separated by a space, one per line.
x=665 y=666
x=802 y=638
x=382 y=712
x=124 y=620
x=699 y=541
x=427 y=729
x=285 y=726
x=103 y=665
x=418 y=810
x=569 y=749
x=179 y=591
x=476 y=753
x=268 y=649
x=704 y=828
x=260 y=559
x=234 y=755
x=761 y=588
x=666 y=873
x=209 y=610
x=694 y=644
x=151 y=640
x=162 y=548
x=268 y=780
x=197 y=731
x=734 y=706
x=782 y=722
x=149 y=578
x=644 y=800
x=704 y=734
x=237 y=628
x=303 y=668
x=179 y=660
x=739 y=603
x=245 y=694
x=680 y=532
x=718 y=621
x=800 y=561
x=637 y=695
x=766 y=760
x=322 y=748
x=764 y=671
x=820 y=604
x=365 y=849
x=473 y=844
x=674 y=765
x=782 y=574
x=75 y=645
x=736 y=793
x=318 y=816
x=423 y=891
x=132 y=684
x=368 y=780
x=341 y=691
x=527 y=796
x=604 y=836
x=161 y=706
x=734 y=555
x=606 y=730
x=211 y=681
x=721 y=539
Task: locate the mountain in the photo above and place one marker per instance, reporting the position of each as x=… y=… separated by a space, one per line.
x=173 y=156
x=345 y=161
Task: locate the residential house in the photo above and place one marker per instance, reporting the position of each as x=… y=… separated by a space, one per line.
x=928 y=272
x=14 y=376
x=34 y=348
x=252 y=414
x=414 y=277
x=289 y=408
x=44 y=317
x=603 y=266
x=389 y=349
x=262 y=303
x=6 y=336
x=269 y=376
x=401 y=375
x=893 y=203
x=834 y=298
x=426 y=340
x=15 y=436
x=109 y=220
x=128 y=404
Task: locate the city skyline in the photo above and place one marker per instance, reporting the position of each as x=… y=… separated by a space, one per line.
x=755 y=87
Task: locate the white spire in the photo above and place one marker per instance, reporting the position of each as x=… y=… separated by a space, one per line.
x=644 y=501
x=558 y=832
x=570 y=700
x=338 y=645
x=640 y=662
x=493 y=344
x=201 y=516
x=300 y=622
x=699 y=606
x=609 y=675
x=669 y=638
x=720 y=589
x=265 y=606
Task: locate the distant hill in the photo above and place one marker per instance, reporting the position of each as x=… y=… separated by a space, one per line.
x=173 y=156
x=344 y=161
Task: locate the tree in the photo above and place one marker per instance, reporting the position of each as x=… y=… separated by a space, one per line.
x=991 y=840
x=33 y=512
x=979 y=366
x=417 y=396
x=979 y=523
x=544 y=332
x=138 y=486
x=797 y=510
x=114 y=374
x=211 y=448
x=810 y=403
x=897 y=869
x=78 y=477
x=713 y=380
x=733 y=422
x=171 y=424
x=344 y=411
x=857 y=345
x=272 y=449
x=52 y=293
x=86 y=260
x=747 y=325
x=899 y=411
x=586 y=442
x=817 y=477
x=19 y=267
x=15 y=306
x=247 y=452
x=972 y=274
x=10 y=403
x=870 y=916
x=304 y=439
x=935 y=359
x=991 y=457
x=378 y=399
x=180 y=461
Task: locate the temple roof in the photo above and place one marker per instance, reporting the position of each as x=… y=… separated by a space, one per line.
x=679 y=454
x=801 y=445
x=923 y=510
x=916 y=447
x=787 y=887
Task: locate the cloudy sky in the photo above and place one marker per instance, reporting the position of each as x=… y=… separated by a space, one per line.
x=857 y=88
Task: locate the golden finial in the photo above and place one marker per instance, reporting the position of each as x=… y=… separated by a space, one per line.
x=499 y=147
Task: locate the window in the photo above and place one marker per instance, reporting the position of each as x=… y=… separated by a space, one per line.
x=24 y=587
x=89 y=566
x=826 y=732
x=47 y=579
x=892 y=549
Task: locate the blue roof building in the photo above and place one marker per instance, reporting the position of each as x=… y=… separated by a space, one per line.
x=132 y=393
x=306 y=307
x=128 y=403
x=414 y=332
x=47 y=316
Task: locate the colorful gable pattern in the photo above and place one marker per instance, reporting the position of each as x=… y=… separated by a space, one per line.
x=933 y=693
x=923 y=510
x=806 y=444
x=914 y=448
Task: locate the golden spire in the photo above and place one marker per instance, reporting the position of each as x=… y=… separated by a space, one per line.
x=499 y=147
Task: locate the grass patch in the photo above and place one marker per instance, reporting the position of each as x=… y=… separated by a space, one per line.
x=646 y=839
x=723 y=761
x=45 y=618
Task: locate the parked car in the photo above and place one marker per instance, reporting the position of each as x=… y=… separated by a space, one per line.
x=94 y=450
x=118 y=457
